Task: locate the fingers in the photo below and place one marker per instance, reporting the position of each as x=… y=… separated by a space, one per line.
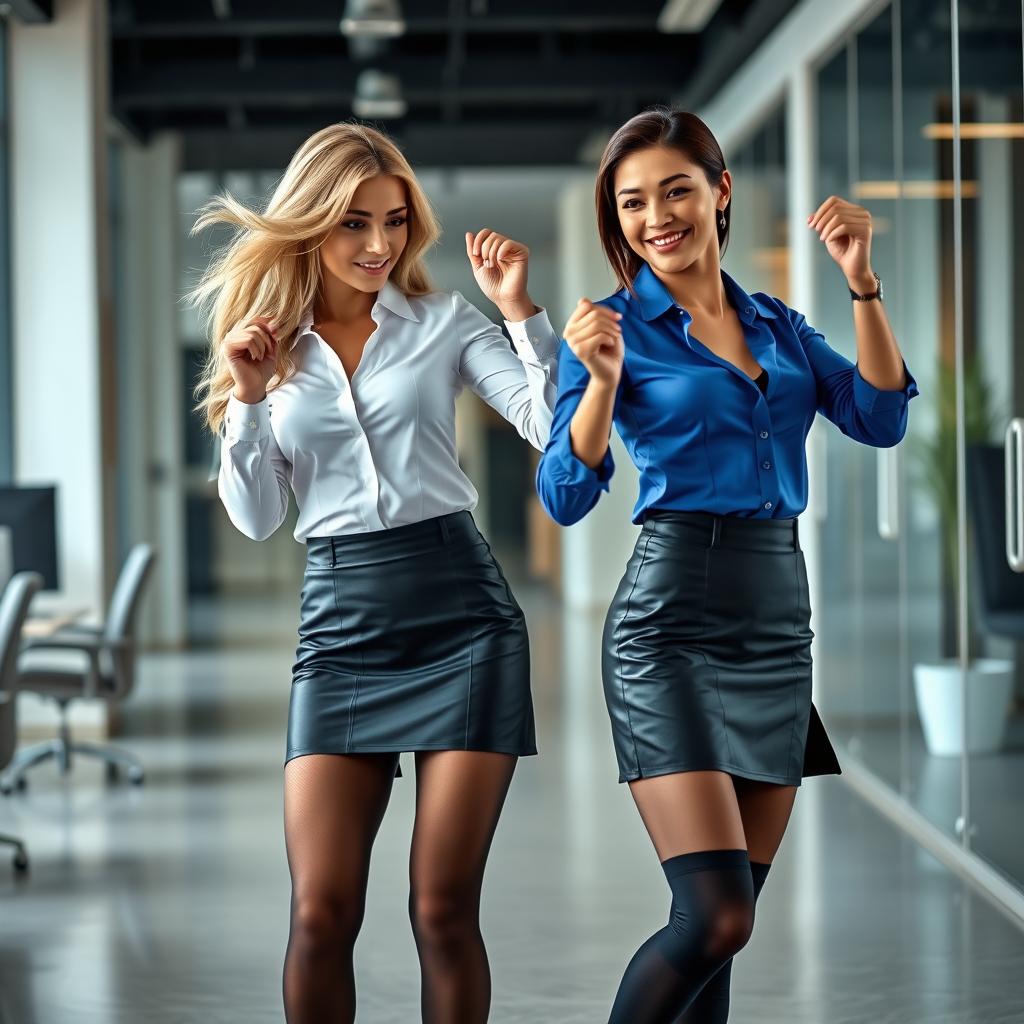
x=472 y=252
x=589 y=317
x=486 y=248
x=837 y=206
x=255 y=337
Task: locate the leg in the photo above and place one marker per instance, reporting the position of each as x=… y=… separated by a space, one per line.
x=694 y=821
x=333 y=806
x=765 y=809
x=459 y=796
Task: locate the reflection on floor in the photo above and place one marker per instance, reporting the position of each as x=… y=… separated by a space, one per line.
x=932 y=783
x=169 y=903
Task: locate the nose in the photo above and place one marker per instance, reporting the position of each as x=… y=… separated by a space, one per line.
x=377 y=244
x=657 y=215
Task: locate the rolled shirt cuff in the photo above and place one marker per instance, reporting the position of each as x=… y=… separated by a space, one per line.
x=871 y=399
x=570 y=469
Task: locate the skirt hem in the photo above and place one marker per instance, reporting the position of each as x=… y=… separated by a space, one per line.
x=407 y=749
x=743 y=773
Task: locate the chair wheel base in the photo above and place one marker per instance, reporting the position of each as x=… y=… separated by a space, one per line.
x=7 y=788
x=20 y=861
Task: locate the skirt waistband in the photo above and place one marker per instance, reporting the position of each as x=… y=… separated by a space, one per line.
x=716 y=531
x=396 y=542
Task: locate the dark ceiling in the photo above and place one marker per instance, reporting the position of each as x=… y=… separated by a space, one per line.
x=487 y=82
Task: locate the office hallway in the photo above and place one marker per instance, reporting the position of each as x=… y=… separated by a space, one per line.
x=168 y=903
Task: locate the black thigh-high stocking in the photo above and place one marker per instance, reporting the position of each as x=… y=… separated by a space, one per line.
x=459 y=796
x=333 y=806
x=712 y=1003
x=711 y=919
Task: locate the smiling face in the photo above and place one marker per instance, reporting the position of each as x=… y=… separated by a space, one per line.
x=366 y=244
x=667 y=211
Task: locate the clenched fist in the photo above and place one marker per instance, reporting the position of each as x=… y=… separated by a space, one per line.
x=595 y=337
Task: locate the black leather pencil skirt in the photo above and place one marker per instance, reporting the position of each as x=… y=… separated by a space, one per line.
x=706 y=656
x=409 y=639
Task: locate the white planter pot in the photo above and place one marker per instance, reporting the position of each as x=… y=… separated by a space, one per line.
x=989 y=688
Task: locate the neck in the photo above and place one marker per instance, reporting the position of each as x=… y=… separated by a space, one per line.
x=698 y=288
x=339 y=302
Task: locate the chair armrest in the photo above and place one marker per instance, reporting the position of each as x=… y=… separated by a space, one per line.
x=92 y=647
x=65 y=642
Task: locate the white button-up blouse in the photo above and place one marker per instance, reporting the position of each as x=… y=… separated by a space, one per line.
x=381 y=452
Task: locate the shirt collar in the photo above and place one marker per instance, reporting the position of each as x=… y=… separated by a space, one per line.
x=390 y=296
x=655 y=298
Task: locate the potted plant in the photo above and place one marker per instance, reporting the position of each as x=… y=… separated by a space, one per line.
x=989 y=680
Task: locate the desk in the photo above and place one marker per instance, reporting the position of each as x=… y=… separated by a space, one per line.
x=37 y=626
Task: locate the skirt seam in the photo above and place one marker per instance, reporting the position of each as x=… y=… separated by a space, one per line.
x=792 y=662
x=472 y=638
x=355 y=687
x=703 y=653
x=618 y=656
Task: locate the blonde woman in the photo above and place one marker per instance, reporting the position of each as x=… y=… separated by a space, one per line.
x=333 y=371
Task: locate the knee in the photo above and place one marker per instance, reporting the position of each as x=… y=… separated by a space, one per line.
x=440 y=918
x=729 y=929
x=717 y=934
x=325 y=923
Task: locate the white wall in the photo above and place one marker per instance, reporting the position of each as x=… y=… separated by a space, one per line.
x=61 y=316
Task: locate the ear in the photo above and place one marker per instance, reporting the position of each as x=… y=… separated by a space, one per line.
x=724 y=190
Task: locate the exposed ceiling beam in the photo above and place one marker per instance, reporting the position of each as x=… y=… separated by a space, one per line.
x=424 y=146
x=32 y=10
x=491 y=25
x=288 y=84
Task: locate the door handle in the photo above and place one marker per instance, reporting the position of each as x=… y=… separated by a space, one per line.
x=888 y=463
x=1013 y=456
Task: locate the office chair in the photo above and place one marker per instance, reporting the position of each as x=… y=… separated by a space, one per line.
x=14 y=603
x=106 y=671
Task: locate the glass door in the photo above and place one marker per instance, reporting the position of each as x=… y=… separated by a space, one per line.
x=992 y=421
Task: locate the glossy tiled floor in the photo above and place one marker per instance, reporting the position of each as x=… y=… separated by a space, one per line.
x=168 y=903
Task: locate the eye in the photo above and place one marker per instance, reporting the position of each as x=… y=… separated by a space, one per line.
x=354 y=224
x=397 y=222
x=680 y=189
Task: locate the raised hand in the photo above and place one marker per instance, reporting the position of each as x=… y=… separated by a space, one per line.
x=845 y=228
x=500 y=268
x=595 y=337
x=251 y=351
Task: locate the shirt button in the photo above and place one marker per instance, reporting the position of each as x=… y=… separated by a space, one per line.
x=750 y=310
x=766 y=464
x=768 y=504
x=252 y=424
x=764 y=434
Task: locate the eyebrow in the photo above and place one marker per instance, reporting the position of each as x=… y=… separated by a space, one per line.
x=366 y=213
x=664 y=181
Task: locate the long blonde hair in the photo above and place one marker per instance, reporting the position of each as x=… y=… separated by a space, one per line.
x=271 y=267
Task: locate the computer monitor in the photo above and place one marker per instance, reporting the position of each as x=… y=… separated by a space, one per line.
x=30 y=516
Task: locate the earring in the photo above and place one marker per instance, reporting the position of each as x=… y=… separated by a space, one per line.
x=721 y=219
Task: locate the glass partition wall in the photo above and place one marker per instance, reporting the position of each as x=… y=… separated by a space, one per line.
x=920 y=613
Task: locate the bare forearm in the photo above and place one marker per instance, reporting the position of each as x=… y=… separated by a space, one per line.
x=591 y=424
x=878 y=354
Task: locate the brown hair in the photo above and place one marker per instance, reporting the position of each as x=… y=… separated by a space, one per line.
x=659 y=126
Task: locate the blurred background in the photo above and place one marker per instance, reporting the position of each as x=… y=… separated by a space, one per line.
x=149 y=875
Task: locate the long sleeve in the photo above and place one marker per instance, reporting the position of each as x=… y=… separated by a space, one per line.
x=568 y=487
x=520 y=385
x=859 y=409
x=254 y=476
